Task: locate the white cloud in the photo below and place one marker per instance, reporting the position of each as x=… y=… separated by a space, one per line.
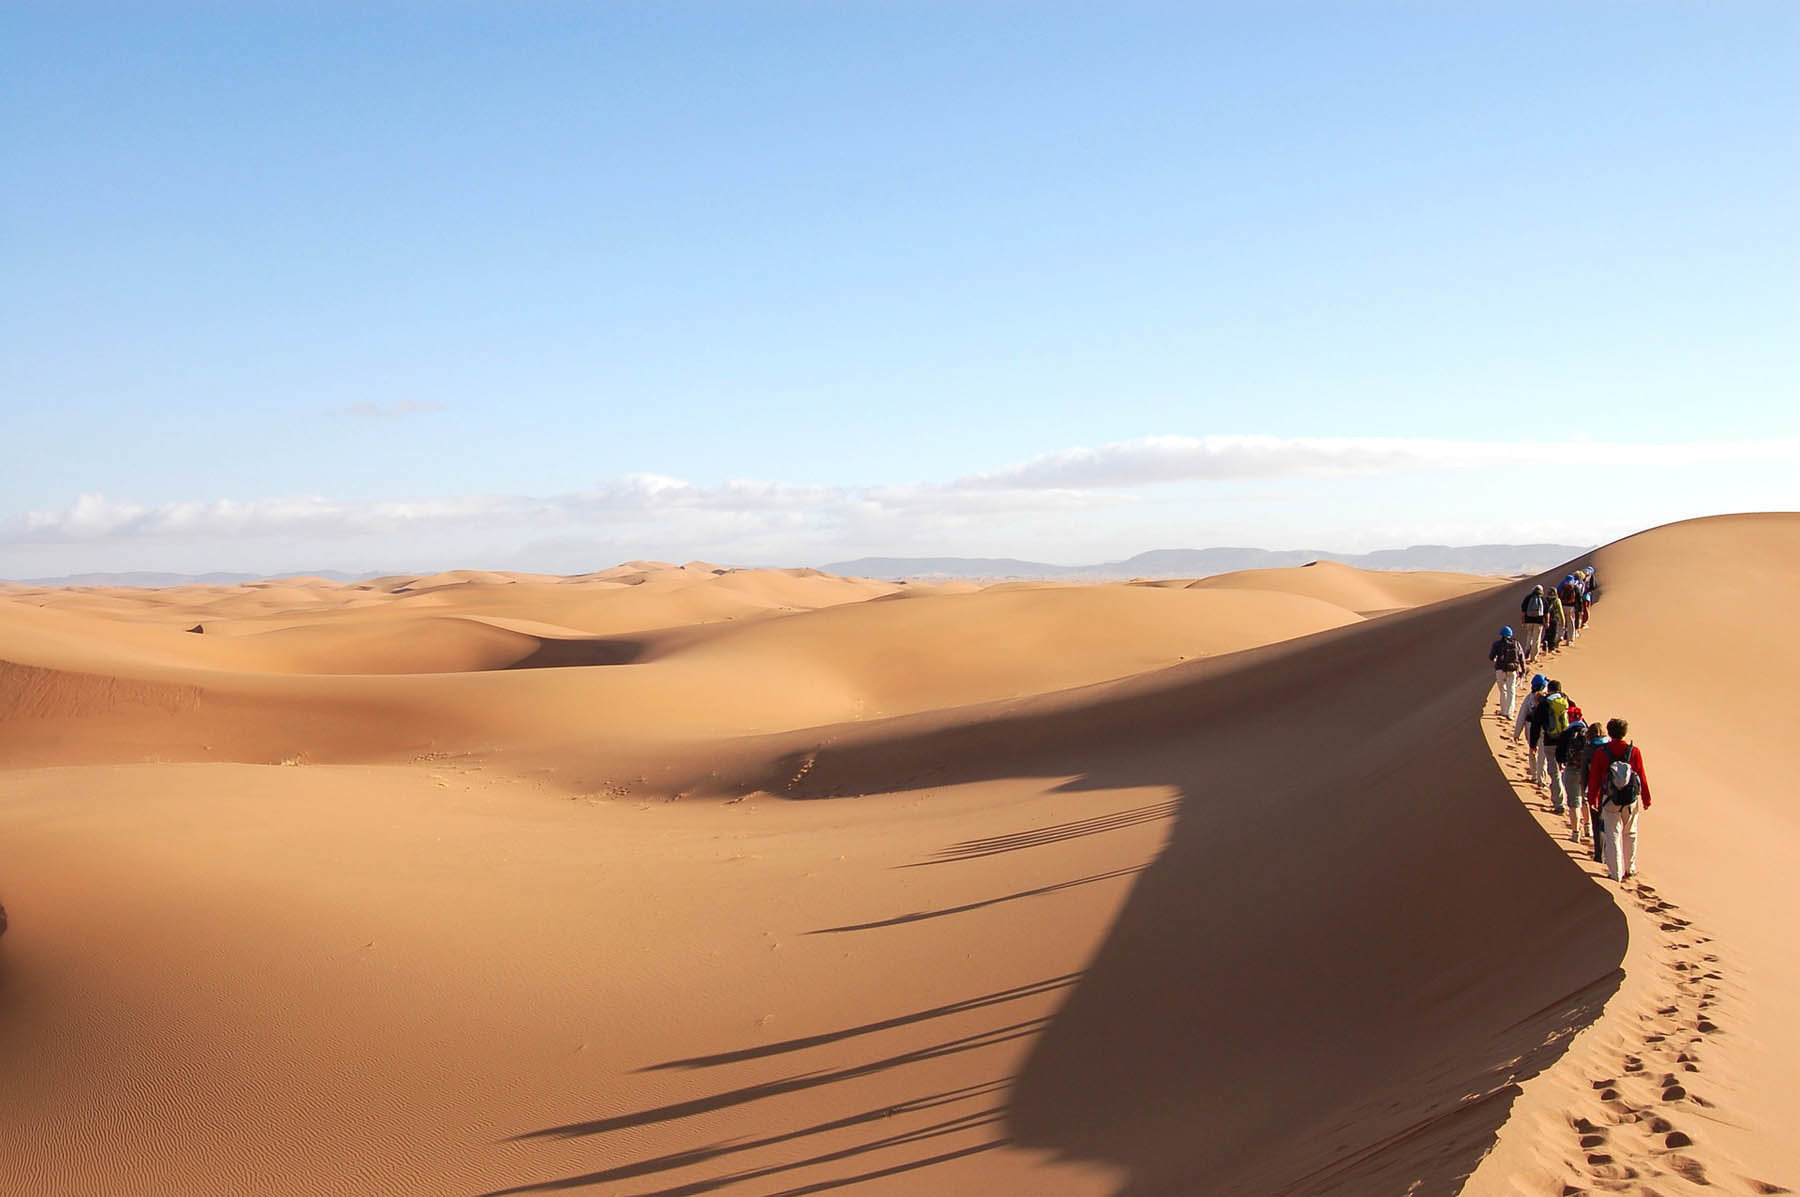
x=636 y=499
x=1047 y=504
x=1160 y=459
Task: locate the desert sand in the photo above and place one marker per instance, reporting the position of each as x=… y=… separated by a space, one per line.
x=678 y=879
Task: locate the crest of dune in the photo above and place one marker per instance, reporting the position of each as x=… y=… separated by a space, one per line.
x=678 y=879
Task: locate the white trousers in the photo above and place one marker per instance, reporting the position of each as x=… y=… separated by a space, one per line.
x=1509 y=691
x=1532 y=638
x=1621 y=823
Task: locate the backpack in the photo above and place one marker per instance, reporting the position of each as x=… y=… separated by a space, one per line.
x=1557 y=721
x=1534 y=606
x=1568 y=749
x=1567 y=592
x=1622 y=784
x=1512 y=656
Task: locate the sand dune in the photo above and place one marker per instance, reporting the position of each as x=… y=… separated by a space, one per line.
x=795 y=651
x=1084 y=917
x=1367 y=592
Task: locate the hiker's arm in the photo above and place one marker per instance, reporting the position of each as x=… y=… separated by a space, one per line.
x=1637 y=761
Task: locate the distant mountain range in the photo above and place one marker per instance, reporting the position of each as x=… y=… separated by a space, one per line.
x=1498 y=559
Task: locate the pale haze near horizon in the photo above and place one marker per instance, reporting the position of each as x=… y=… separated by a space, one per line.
x=553 y=286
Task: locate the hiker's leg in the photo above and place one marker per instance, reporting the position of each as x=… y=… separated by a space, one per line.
x=1578 y=818
x=1628 y=823
x=1599 y=828
x=1554 y=772
x=1508 y=683
x=1610 y=817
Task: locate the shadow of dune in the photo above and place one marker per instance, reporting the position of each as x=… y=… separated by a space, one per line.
x=746 y=1094
x=685 y=1159
x=919 y=916
x=1037 y=837
x=762 y=1050
x=1355 y=943
x=1353 y=948
x=552 y=653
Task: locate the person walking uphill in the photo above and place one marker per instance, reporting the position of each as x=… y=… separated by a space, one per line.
x=1580 y=762
x=1532 y=613
x=1549 y=723
x=1525 y=723
x=1571 y=747
x=1568 y=596
x=1618 y=789
x=1508 y=657
x=1554 y=623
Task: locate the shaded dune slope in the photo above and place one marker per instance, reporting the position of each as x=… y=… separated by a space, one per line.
x=1353 y=919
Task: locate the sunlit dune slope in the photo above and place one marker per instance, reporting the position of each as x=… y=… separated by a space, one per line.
x=1362 y=590
x=796 y=650
x=952 y=650
x=1691 y=645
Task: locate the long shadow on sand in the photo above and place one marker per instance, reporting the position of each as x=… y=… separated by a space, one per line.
x=990 y=1095
x=1352 y=950
x=1040 y=891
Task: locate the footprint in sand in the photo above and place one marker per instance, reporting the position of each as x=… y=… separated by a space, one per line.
x=1688 y=1168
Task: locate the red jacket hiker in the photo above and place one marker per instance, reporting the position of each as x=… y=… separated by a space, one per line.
x=1604 y=756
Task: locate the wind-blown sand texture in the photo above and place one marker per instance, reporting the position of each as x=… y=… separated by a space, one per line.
x=679 y=880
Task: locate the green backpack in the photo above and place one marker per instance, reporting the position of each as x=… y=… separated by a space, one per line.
x=1557 y=721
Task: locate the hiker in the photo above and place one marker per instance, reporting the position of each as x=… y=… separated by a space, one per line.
x=1582 y=602
x=1508 y=657
x=1569 y=596
x=1618 y=789
x=1532 y=613
x=1570 y=748
x=1553 y=622
x=1593 y=586
x=1524 y=724
x=1596 y=740
x=1549 y=723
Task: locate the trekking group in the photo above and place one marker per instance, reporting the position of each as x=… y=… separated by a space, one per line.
x=1591 y=771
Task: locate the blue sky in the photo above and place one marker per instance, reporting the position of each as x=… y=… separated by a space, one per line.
x=551 y=285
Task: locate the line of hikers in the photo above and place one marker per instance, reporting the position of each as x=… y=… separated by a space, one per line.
x=1591 y=771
